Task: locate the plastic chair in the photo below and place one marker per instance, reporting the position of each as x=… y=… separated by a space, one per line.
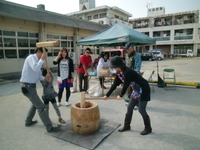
x=169 y=76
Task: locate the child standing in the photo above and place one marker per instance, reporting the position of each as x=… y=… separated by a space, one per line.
x=49 y=93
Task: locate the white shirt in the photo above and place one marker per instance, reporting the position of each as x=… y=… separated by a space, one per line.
x=64 y=69
x=31 y=72
x=102 y=64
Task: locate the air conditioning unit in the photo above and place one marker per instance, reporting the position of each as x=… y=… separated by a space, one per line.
x=73 y=56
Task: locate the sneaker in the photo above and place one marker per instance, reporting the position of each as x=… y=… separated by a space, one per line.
x=55 y=129
x=58 y=104
x=67 y=104
x=31 y=123
x=61 y=120
x=74 y=91
x=136 y=108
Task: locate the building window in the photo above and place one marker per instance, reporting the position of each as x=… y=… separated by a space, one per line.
x=96 y=16
x=32 y=51
x=33 y=42
x=22 y=34
x=89 y=17
x=10 y=53
x=168 y=21
x=17 y=44
x=64 y=41
x=55 y=52
x=156 y=34
x=182 y=49
x=23 y=53
x=185 y=34
x=103 y=15
x=101 y=22
x=1 y=54
x=146 y=33
x=33 y=35
x=22 y=42
x=8 y=33
x=189 y=31
x=9 y=42
x=178 y=32
x=1 y=42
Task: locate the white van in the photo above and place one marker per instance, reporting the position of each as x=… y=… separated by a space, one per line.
x=158 y=54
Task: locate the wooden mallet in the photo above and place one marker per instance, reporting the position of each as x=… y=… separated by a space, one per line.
x=46 y=44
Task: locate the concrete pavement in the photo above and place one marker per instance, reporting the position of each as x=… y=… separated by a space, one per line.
x=174 y=115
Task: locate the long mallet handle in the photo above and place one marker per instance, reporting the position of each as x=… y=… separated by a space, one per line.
x=100 y=98
x=46 y=44
x=46 y=64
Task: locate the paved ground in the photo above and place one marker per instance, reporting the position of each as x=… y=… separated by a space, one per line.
x=174 y=114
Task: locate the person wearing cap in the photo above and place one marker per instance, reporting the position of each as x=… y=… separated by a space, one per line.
x=84 y=64
x=134 y=59
x=134 y=62
x=127 y=75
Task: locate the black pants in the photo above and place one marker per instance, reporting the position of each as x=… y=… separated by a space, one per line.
x=141 y=107
x=46 y=101
x=60 y=92
x=81 y=78
x=101 y=80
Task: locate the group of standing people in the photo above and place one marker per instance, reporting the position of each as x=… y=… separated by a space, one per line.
x=126 y=74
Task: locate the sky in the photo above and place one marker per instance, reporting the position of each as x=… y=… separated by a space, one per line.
x=138 y=8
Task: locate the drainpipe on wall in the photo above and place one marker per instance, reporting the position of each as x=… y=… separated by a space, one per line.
x=77 y=52
x=41 y=25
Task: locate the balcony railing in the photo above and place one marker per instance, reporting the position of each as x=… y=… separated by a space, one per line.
x=189 y=37
x=162 y=38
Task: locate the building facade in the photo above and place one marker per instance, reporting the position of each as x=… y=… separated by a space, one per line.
x=102 y=14
x=175 y=33
x=21 y=27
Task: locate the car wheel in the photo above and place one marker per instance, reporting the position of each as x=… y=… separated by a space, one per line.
x=150 y=59
x=159 y=58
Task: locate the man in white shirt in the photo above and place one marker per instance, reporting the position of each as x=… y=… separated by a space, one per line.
x=31 y=73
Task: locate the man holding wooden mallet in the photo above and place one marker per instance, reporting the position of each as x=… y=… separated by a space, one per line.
x=31 y=73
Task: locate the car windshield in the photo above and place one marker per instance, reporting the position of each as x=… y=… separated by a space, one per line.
x=114 y=53
x=156 y=52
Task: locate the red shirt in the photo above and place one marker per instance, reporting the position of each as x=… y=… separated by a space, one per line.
x=87 y=60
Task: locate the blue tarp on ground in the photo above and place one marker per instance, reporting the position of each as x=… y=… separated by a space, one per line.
x=116 y=35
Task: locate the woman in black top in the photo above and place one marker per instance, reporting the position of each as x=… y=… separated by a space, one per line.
x=127 y=76
x=65 y=74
